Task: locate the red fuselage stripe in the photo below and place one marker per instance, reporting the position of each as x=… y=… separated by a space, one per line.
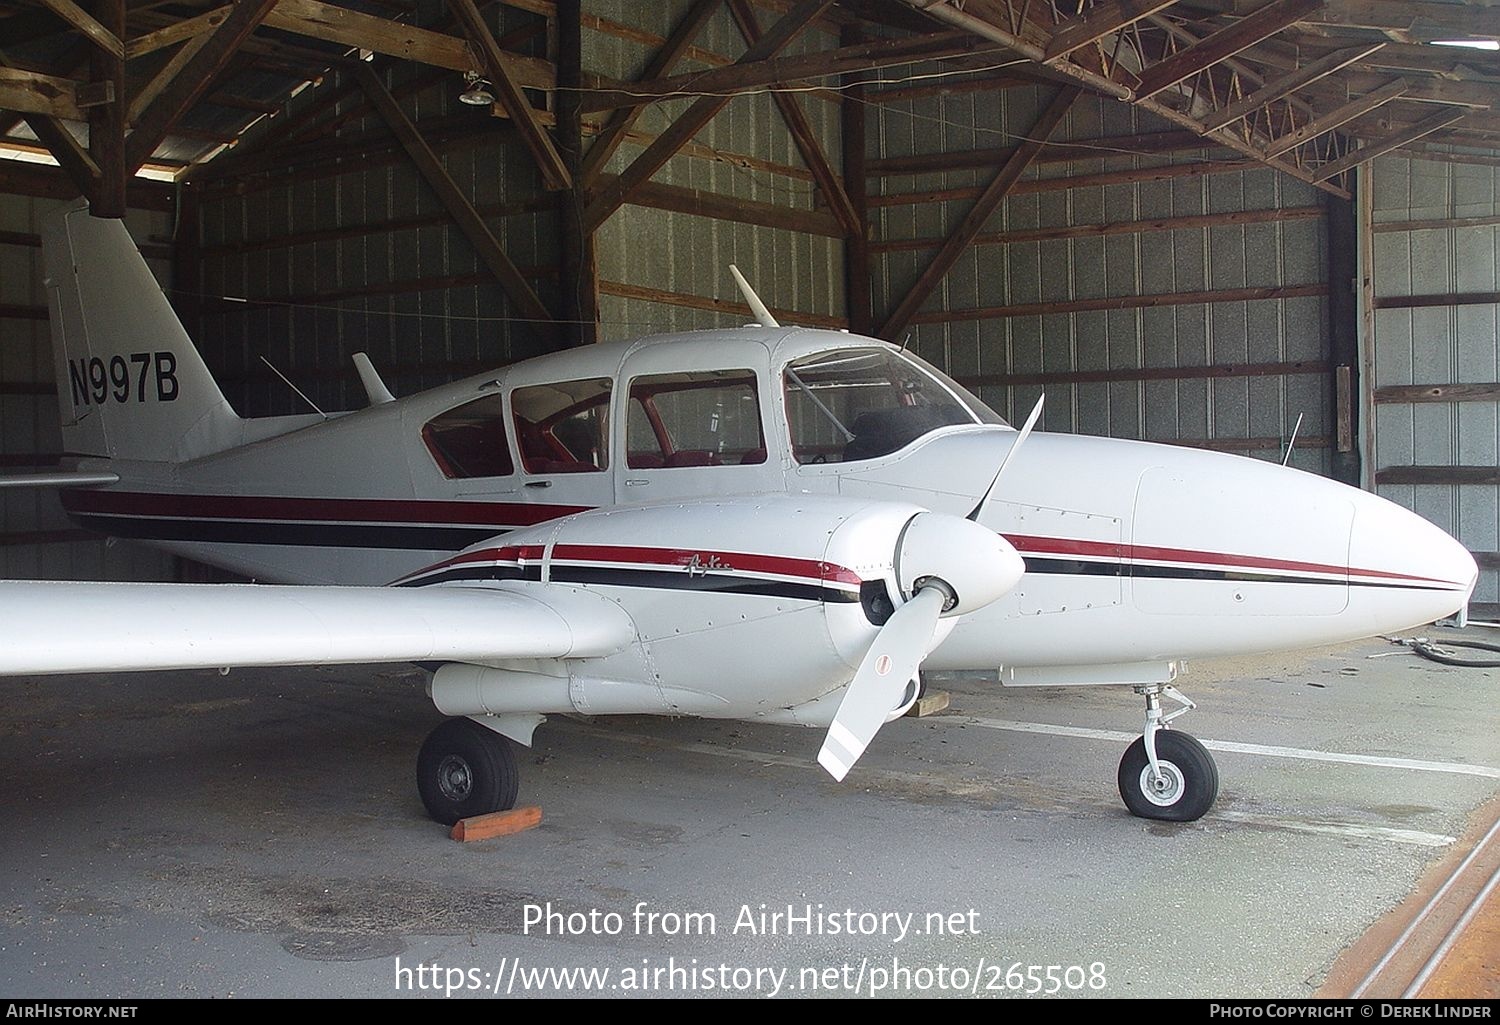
x=672 y=558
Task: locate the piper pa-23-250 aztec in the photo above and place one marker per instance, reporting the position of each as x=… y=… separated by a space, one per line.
x=605 y=530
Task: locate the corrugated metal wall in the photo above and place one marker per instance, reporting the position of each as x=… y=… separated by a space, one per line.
x=1436 y=264
x=1283 y=247
x=689 y=254
x=36 y=538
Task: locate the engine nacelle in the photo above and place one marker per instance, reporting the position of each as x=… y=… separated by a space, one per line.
x=797 y=586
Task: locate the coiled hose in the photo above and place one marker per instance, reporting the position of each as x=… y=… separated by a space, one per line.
x=1430 y=649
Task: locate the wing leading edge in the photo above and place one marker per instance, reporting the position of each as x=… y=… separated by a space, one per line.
x=48 y=627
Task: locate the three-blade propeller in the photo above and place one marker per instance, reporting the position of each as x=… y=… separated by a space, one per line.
x=949 y=565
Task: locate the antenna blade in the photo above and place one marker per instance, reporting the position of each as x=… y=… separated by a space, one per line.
x=762 y=314
x=370 y=377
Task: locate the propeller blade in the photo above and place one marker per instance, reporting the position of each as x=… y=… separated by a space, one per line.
x=888 y=667
x=762 y=313
x=1036 y=412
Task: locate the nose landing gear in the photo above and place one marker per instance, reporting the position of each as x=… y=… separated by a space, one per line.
x=1167 y=774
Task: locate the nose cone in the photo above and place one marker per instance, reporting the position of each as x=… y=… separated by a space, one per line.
x=974 y=561
x=1411 y=570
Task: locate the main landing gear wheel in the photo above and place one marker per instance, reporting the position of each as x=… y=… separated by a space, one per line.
x=1183 y=788
x=466 y=769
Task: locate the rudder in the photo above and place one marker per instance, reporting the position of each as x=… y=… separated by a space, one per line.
x=130 y=383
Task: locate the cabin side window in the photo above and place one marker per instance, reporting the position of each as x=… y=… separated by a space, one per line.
x=701 y=418
x=470 y=441
x=563 y=427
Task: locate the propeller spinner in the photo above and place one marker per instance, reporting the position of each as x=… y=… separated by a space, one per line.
x=949 y=566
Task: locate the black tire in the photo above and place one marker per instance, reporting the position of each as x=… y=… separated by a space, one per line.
x=1192 y=779
x=465 y=769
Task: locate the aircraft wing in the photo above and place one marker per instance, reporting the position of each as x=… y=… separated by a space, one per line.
x=48 y=627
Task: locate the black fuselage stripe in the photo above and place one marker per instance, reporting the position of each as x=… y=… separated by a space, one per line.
x=292 y=535
x=1084 y=567
x=656 y=579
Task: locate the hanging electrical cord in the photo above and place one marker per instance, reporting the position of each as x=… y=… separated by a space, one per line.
x=1430 y=649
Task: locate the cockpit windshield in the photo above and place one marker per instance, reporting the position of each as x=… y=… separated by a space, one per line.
x=849 y=404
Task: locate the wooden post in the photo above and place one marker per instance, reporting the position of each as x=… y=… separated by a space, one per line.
x=1343 y=336
x=857 y=301
x=107 y=120
x=580 y=267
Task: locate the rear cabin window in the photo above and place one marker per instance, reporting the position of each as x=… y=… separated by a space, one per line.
x=852 y=404
x=703 y=418
x=563 y=427
x=470 y=441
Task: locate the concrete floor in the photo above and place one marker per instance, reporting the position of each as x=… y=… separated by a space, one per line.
x=258 y=835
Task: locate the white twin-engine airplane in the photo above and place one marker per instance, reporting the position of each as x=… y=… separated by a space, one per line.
x=771 y=524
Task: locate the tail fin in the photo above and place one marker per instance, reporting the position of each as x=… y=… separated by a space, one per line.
x=130 y=384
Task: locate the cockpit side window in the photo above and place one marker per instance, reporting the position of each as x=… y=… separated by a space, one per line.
x=469 y=441
x=700 y=418
x=563 y=427
x=850 y=404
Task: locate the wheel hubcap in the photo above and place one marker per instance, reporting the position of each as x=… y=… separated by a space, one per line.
x=455 y=778
x=1164 y=790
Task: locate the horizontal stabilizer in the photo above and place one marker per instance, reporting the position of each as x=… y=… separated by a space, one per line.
x=205 y=626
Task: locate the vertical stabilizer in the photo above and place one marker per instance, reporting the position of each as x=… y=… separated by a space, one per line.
x=130 y=383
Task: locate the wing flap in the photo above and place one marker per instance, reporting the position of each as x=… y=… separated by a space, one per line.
x=53 y=627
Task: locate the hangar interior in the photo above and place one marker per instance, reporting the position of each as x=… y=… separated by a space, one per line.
x=1199 y=222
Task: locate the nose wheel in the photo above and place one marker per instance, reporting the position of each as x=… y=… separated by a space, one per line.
x=1167 y=774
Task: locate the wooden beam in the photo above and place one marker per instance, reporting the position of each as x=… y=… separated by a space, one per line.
x=1281 y=86
x=1098 y=21
x=165 y=76
x=1124 y=302
x=85 y=22
x=829 y=185
x=176 y=32
x=789 y=70
x=1357 y=107
x=624 y=290
x=1405 y=393
x=1121 y=374
x=691 y=121
x=555 y=176
x=662 y=61
x=1225 y=43
x=1438 y=475
x=394 y=39
x=44 y=182
x=193 y=80
x=1440 y=223
x=107 y=120
x=1418 y=302
x=1126 y=176
x=1375 y=149
x=1109 y=228
x=70 y=155
x=27 y=92
x=973 y=222
x=1152 y=144
x=459 y=208
x=700 y=203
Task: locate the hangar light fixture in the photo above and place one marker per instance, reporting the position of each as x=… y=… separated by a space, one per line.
x=476 y=91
